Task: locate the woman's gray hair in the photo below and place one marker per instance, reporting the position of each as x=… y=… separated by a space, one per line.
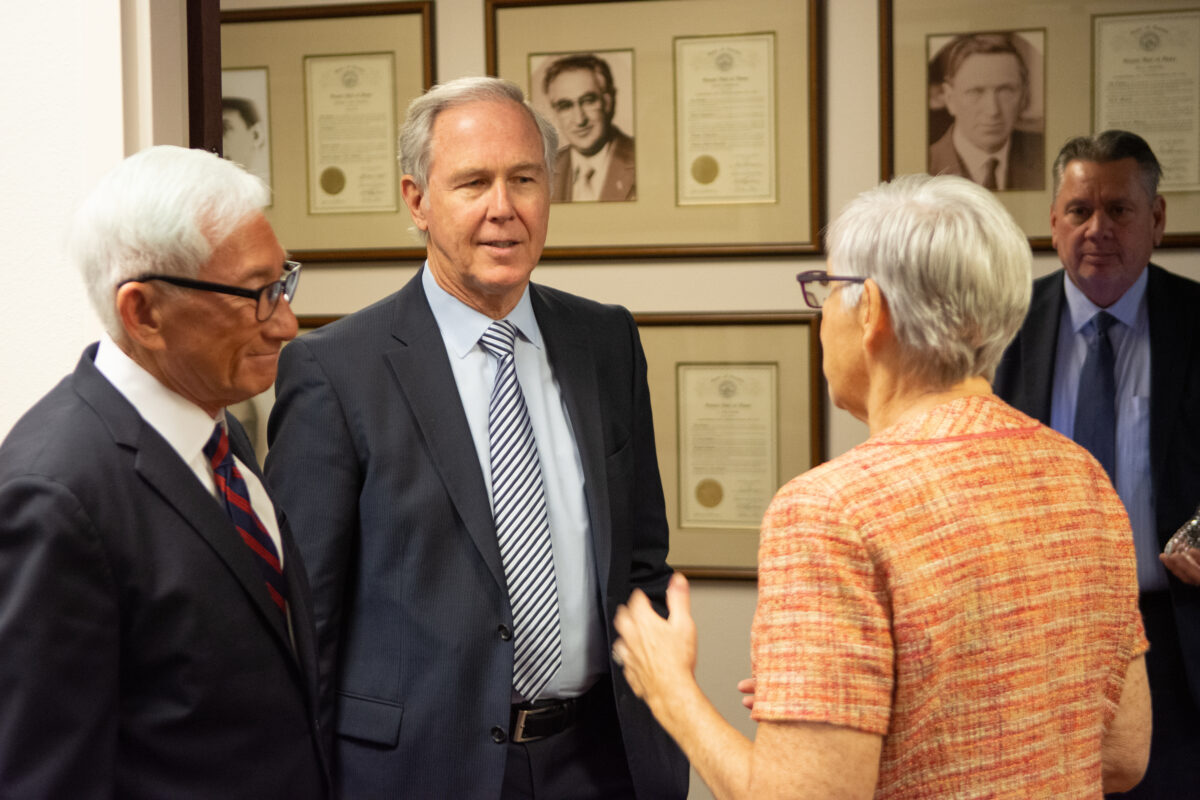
x=416 y=134
x=162 y=211
x=953 y=267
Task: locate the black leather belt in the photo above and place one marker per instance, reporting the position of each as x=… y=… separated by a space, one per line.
x=529 y=722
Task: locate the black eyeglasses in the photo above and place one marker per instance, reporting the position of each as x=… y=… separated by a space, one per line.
x=817 y=285
x=267 y=297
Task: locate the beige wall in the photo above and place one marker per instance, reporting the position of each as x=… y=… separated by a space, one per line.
x=88 y=80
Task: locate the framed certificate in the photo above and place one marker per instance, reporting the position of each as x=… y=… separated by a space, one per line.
x=1085 y=66
x=339 y=78
x=710 y=96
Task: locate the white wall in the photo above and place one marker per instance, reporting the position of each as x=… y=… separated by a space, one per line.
x=61 y=96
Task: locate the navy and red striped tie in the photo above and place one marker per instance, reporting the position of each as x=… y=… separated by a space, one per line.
x=233 y=495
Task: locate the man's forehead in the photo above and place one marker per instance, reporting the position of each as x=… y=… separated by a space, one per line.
x=580 y=74
x=987 y=67
x=1120 y=179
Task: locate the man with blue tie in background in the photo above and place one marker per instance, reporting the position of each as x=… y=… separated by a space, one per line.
x=1110 y=355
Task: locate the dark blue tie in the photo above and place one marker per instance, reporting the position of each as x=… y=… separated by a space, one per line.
x=235 y=497
x=1096 y=403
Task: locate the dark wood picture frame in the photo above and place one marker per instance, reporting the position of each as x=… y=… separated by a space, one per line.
x=655 y=226
x=1068 y=111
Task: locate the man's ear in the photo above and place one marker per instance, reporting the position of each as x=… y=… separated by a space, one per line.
x=141 y=315
x=413 y=198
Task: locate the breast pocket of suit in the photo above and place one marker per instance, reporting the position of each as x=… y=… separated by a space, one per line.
x=369 y=719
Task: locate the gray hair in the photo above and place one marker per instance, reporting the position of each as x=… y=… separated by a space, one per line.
x=163 y=210
x=1112 y=145
x=952 y=264
x=416 y=134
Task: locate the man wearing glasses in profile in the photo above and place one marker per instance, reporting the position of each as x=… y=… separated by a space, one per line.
x=598 y=162
x=154 y=614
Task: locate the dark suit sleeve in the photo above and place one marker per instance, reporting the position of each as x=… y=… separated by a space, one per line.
x=650 y=536
x=313 y=473
x=59 y=644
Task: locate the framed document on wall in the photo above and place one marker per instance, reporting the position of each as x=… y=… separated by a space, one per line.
x=738 y=406
x=725 y=154
x=339 y=79
x=1076 y=67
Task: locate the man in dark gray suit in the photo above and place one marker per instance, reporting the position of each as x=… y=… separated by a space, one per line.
x=389 y=449
x=155 y=642
x=1106 y=220
x=598 y=161
x=986 y=86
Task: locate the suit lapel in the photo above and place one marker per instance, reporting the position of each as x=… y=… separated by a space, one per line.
x=1171 y=357
x=572 y=361
x=161 y=468
x=422 y=371
x=1039 y=346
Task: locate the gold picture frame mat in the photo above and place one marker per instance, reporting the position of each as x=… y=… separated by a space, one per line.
x=653 y=225
x=280 y=40
x=904 y=24
x=787 y=340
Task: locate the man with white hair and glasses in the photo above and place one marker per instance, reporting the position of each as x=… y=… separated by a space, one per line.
x=154 y=614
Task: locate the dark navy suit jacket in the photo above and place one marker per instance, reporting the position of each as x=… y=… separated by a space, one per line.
x=372 y=456
x=1025 y=379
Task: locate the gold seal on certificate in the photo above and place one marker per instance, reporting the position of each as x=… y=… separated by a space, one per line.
x=709 y=493
x=705 y=169
x=333 y=180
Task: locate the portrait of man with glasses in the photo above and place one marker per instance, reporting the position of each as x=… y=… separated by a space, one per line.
x=597 y=161
x=154 y=613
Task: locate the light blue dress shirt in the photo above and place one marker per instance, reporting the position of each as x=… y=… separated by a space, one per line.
x=579 y=612
x=1131 y=348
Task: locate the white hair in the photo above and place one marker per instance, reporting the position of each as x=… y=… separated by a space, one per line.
x=163 y=211
x=952 y=264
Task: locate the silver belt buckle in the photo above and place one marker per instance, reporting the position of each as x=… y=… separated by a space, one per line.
x=519 y=734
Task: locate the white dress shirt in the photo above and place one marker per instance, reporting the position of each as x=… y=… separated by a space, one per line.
x=1131 y=350
x=579 y=612
x=976 y=159
x=584 y=188
x=184 y=425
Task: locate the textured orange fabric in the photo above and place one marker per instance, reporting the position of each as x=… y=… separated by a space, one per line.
x=962 y=583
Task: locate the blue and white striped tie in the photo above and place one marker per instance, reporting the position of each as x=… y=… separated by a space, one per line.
x=519 y=506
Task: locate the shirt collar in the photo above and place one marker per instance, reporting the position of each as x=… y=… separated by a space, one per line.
x=184 y=425
x=462 y=326
x=975 y=158
x=1127 y=309
x=596 y=160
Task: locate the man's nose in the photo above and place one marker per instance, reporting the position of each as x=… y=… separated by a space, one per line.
x=282 y=324
x=499 y=201
x=1099 y=224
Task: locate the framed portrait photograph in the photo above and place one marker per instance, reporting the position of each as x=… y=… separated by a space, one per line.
x=707 y=139
x=246 y=119
x=987 y=108
x=589 y=99
x=339 y=78
x=994 y=90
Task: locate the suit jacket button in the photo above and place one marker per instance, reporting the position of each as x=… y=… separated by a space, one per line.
x=498 y=735
x=504 y=631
